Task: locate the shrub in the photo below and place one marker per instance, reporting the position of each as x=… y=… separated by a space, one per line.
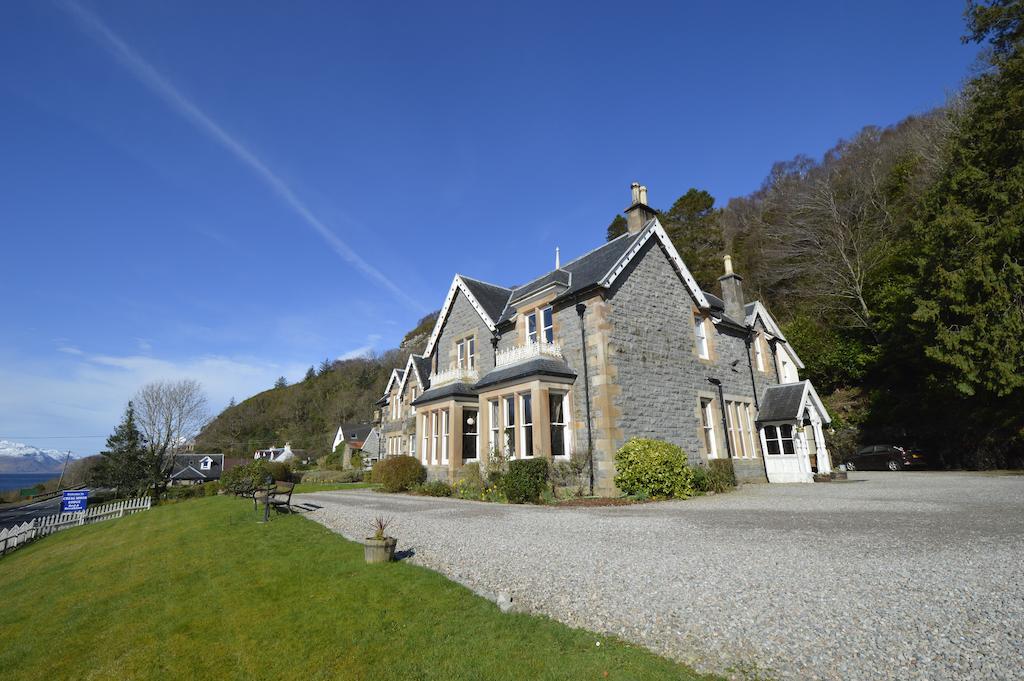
x=245 y=478
x=435 y=488
x=701 y=479
x=525 y=480
x=399 y=473
x=570 y=476
x=654 y=468
x=280 y=471
x=211 y=489
x=721 y=475
x=468 y=482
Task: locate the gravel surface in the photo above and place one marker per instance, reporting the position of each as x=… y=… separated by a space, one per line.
x=888 y=576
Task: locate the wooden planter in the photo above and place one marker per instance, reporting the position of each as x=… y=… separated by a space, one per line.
x=379 y=550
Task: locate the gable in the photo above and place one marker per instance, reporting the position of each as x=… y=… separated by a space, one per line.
x=654 y=230
x=459 y=286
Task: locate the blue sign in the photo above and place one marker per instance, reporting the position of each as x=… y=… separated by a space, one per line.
x=74 y=501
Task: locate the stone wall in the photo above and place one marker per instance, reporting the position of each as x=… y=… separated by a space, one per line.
x=652 y=351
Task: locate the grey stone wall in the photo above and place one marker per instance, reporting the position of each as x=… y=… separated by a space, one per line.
x=651 y=346
x=462 y=320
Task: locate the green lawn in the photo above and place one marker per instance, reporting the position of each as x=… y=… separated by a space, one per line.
x=306 y=487
x=199 y=590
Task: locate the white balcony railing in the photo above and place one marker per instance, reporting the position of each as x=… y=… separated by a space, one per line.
x=456 y=375
x=522 y=353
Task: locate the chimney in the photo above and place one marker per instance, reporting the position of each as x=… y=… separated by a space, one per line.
x=732 y=292
x=639 y=213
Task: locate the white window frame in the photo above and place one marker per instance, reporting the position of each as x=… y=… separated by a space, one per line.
x=758 y=354
x=707 y=425
x=412 y=445
x=565 y=424
x=547 y=324
x=701 y=333
x=508 y=409
x=445 y=430
x=494 y=412
x=531 y=319
x=773 y=433
x=433 y=437
x=523 y=424
x=424 y=455
x=476 y=452
x=205 y=463
x=471 y=352
x=460 y=351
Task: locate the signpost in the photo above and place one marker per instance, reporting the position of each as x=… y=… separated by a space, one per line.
x=74 y=500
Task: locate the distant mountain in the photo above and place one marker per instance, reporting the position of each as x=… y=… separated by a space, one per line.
x=16 y=457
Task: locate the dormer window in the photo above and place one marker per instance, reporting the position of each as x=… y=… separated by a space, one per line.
x=547 y=330
x=205 y=463
x=465 y=353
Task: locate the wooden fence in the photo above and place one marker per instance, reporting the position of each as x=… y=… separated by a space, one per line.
x=13 y=537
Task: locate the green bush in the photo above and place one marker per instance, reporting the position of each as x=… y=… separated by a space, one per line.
x=245 y=478
x=701 y=478
x=525 y=480
x=654 y=468
x=469 y=484
x=398 y=473
x=211 y=489
x=280 y=471
x=435 y=488
x=721 y=475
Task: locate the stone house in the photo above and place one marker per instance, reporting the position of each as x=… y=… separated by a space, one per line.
x=618 y=343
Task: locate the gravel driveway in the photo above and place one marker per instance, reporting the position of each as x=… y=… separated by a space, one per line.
x=890 y=575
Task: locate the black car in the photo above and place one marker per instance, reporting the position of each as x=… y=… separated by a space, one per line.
x=886 y=458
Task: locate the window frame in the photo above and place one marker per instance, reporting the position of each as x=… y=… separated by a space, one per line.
x=707 y=424
x=564 y=425
x=509 y=429
x=445 y=433
x=779 y=440
x=700 y=331
x=526 y=426
x=494 y=426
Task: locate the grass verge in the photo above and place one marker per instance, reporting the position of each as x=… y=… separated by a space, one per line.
x=199 y=590
x=307 y=487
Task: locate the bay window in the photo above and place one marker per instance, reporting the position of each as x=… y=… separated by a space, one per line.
x=510 y=426
x=444 y=434
x=558 y=413
x=469 y=434
x=526 y=403
x=495 y=425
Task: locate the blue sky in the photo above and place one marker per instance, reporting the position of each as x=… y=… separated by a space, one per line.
x=234 y=191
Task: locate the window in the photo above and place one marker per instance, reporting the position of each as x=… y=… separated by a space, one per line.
x=758 y=355
x=495 y=425
x=526 y=403
x=547 y=328
x=741 y=428
x=444 y=439
x=558 y=414
x=707 y=424
x=465 y=353
x=433 y=437
x=510 y=426
x=412 y=398
x=469 y=437
x=205 y=463
x=412 y=445
x=779 y=439
x=547 y=325
x=424 y=455
x=702 y=337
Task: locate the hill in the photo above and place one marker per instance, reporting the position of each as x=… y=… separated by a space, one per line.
x=307 y=414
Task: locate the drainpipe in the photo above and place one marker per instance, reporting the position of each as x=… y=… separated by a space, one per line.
x=725 y=423
x=580 y=309
x=750 y=365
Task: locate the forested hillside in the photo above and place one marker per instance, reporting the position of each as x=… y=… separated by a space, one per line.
x=896 y=263
x=308 y=413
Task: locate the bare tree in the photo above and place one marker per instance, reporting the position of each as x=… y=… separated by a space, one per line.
x=169 y=414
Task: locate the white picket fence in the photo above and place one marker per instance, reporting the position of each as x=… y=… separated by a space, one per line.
x=16 y=536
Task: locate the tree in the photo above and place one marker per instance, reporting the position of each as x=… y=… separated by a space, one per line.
x=1000 y=23
x=310 y=374
x=325 y=366
x=281 y=382
x=123 y=465
x=169 y=414
x=617 y=228
x=692 y=225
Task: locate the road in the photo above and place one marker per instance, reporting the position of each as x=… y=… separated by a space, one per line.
x=23 y=514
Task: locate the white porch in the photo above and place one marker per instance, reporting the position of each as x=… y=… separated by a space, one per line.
x=791 y=424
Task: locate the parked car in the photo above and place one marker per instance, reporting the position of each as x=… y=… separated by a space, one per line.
x=886 y=458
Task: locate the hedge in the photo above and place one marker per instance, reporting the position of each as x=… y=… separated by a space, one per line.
x=653 y=468
x=399 y=473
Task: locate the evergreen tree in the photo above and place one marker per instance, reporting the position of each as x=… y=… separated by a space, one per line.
x=281 y=382
x=124 y=464
x=325 y=366
x=617 y=228
x=310 y=374
x=692 y=225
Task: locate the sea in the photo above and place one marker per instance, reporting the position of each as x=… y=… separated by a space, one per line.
x=9 y=481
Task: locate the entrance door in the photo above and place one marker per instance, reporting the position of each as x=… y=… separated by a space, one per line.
x=785 y=453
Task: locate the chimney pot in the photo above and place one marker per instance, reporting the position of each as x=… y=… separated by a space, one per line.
x=643 y=195
x=638 y=213
x=558 y=263
x=728 y=264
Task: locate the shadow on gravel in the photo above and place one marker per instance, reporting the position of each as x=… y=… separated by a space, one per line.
x=402 y=555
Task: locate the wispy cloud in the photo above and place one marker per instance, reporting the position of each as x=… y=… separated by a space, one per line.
x=162 y=87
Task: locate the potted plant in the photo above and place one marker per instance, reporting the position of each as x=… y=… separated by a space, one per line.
x=380 y=548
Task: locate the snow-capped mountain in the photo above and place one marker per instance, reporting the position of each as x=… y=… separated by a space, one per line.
x=16 y=457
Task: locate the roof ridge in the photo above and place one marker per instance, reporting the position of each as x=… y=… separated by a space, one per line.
x=485 y=283
x=596 y=249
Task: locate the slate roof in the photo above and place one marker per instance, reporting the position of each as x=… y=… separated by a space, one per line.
x=781 y=402
x=355 y=431
x=491 y=297
x=449 y=390
x=559 y=276
x=423 y=370
x=188 y=467
x=539 y=366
